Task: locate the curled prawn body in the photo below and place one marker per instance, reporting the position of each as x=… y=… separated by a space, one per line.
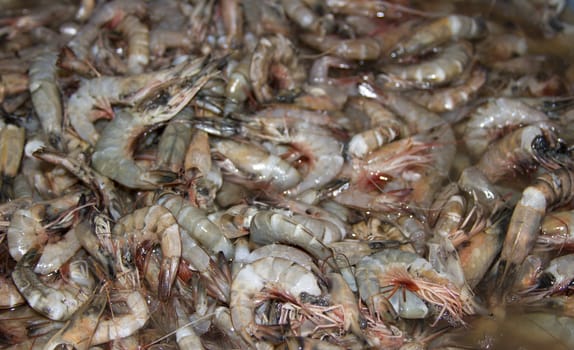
x=448 y=65
x=486 y=122
x=196 y=223
x=269 y=272
x=405 y=282
x=138 y=43
x=57 y=304
x=104 y=91
x=439 y=31
x=274 y=53
x=112 y=155
x=452 y=97
x=154 y=223
x=267 y=168
x=267 y=227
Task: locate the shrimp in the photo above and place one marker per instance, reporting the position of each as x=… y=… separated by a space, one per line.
x=204 y=176
x=79 y=329
x=451 y=98
x=446 y=66
x=268 y=227
x=12 y=84
x=137 y=35
x=195 y=222
x=265 y=167
x=269 y=272
x=154 y=223
x=46 y=96
x=57 y=304
x=25 y=231
x=550 y=190
x=111 y=11
x=10 y=297
x=306 y=343
x=238 y=86
x=557 y=275
x=406 y=282
x=11 y=151
x=519 y=150
x=185 y=335
x=358 y=49
x=479 y=252
x=487 y=121
x=222 y=321
x=232 y=14
x=104 y=91
x=112 y=154
x=430 y=128
x=85 y=10
x=282 y=251
x=322 y=153
x=94 y=236
x=124 y=325
x=161 y=39
x=557 y=230
x=54 y=255
x=300 y=13
x=439 y=31
x=99 y=184
x=174 y=142
x=341 y=294
x=275 y=55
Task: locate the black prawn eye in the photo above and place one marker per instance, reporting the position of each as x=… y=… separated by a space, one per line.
x=546 y=280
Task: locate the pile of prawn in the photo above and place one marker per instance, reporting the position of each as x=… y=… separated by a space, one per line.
x=285 y=174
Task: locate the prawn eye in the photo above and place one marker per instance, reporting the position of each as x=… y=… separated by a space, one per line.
x=546 y=280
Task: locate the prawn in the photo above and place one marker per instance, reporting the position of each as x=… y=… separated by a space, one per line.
x=104 y=91
x=557 y=275
x=153 y=223
x=489 y=119
x=238 y=86
x=195 y=222
x=450 y=98
x=98 y=183
x=11 y=149
x=358 y=49
x=519 y=150
x=275 y=55
x=406 y=282
x=446 y=66
x=439 y=31
x=232 y=14
x=56 y=304
x=79 y=329
x=557 y=230
x=550 y=190
x=112 y=154
x=137 y=35
x=278 y=273
x=300 y=13
x=124 y=325
x=46 y=96
x=266 y=227
x=111 y=11
x=10 y=297
x=257 y=162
